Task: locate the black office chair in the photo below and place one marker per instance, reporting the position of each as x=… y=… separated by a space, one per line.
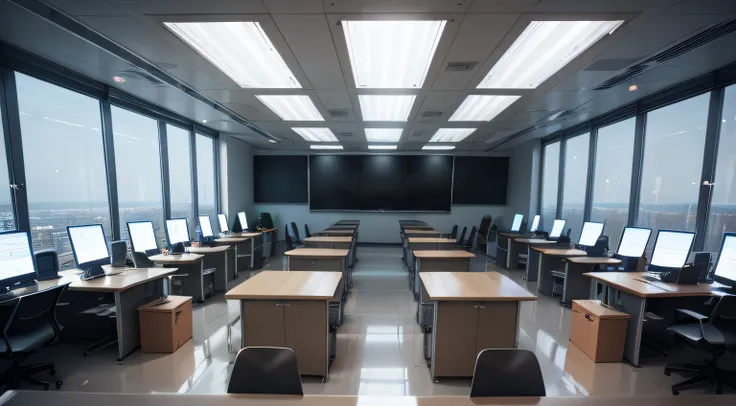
x=453 y=233
x=266 y=370
x=289 y=243
x=30 y=324
x=507 y=372
x=484 y=232
x=717 y=336
x=296 y=233
x=461 y=239
x=470 y=244
x=306 y=231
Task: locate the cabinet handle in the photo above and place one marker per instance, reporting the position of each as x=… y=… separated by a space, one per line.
x=278 y=304
x=475 y=307
x=286 y=305
x=481 y=307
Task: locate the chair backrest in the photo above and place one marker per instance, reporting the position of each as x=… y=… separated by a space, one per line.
x=453 y=233
x=266 y=370
x=306 y=231
x=724 y=315
x=295 y=229
x=34 y=312
x=471 y=237
x=461 y=239
x=289 y=243
x=507 y=372
x=485 y=226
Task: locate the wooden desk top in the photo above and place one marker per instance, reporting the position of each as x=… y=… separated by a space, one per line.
x=317 y=252
x=531 y=241
x=560 y=252
x=593 y=260
x=340 y=232
x=231 y=240
x=343 y=227
x=176 y=258
x=432 y=240
x=207 y=250
x=242 y=235
x=413 y=232
x=511 y=235
x=113 y=283
x=443 y=254
x=294 y=285
x=417 y=227
x=473 y=286
x=326 y=239
x=268 y=230
x=633 y=283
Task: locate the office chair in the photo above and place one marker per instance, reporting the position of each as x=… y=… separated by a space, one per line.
x=266 y=370
x=306 y=231
x=296 y=233
x=484 y=231
x=453 y=233
x=470 y=244
x=30 y=324
x=507 y=372
x=717 y=336
x=461 y=239
x=289 y=243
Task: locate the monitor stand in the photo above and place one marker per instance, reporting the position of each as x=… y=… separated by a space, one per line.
x=91 y=271
x=731 y=290
x=7 y=291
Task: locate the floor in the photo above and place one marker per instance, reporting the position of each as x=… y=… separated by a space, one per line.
x=379 y=348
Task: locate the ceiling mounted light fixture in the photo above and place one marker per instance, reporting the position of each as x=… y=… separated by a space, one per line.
x=325 y=146
x=292 y=107
x=438 y=147
x=451 y=134
x=482 y=107
x=383 y=134
x=385 y=107
x=315 y=134
x=383 y=147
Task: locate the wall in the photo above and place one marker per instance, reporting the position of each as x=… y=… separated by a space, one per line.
x=236 y=178
x=523 y=181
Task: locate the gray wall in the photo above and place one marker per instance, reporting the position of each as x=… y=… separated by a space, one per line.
x=523 y=182
x=236 y=178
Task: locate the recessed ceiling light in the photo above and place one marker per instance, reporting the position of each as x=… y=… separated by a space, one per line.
x=482 y=107
x=385 y=107
x=272 y=141
x=438 y=147
x=315 y=134
x=204 y=121
x=239 y=49
x=118 y=79
x=383 y=134
x=451 y=134
x=382 y=147
x=325 y=146
x=292 y=108
x=633 y=88
x=391 y=54
x=542 y=50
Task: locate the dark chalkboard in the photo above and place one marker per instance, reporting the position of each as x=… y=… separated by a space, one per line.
x=280 y=179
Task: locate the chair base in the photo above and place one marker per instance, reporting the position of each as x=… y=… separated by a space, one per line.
x=705 y=372
x=25 y=373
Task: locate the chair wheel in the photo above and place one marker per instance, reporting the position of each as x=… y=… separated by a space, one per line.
x=46 y=386
x=667 y=372
x=58 y=384
x=675 y=392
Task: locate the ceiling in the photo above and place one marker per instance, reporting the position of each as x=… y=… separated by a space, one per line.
x=308 y=36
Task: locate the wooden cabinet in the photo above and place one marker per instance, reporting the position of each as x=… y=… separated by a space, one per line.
x=316 y=264
x=264 y=322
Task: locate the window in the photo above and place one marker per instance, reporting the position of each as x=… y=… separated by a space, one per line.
x=575 y=182
x=550 y=179
x=722 y=215
x=64 y=163
x=672 y=165
x=138 y=168
x=206 y=176
x=614 y=157
x=180 y=172
x=7 y=218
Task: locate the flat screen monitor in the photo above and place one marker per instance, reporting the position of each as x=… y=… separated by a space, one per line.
x=177 y=230
x=725 y=269
x=590 y=233
x=535 y=224
x=516 y=225
x=633 y=242
x=222 y=219
x=243 y=221
x=16 y=259
x=88 y=243
x=142 y=237
x=671 y=248
x=557 y=227
x=206 y=226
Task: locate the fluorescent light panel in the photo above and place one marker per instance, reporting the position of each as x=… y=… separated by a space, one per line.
x=239 y=49
x=383 y=147
x=385 y=107
x=482 y=107
x=438 y=147
x=542 y=50
x=391 y=54
x=315 y=134
x=383 y=134
x=451 y=134
x=292 y=107
x=325 y=146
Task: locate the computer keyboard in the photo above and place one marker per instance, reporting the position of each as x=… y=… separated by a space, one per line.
x=652 y=277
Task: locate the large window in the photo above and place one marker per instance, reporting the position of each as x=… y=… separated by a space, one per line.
x=7 y=219
x=138 y=165
x=672 y=165
x=575 y=183
x=206 y=175
x=722 y=215
x=64 y=163
x=180 y=172
x=550 y=179
x=612 y=178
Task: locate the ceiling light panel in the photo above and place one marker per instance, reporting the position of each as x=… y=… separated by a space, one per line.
x=451 y=134
x=482 y=107
x=391 y=54
x=542 y=50
x=241 y=50
x=382 y=147
x=292 y=107
x=438 y=147
x=315 y=134
x=325 y=146
x=385 y=107
x=383 y=134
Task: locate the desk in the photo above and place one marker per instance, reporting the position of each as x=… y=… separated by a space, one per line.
x=426 y=244
x=193 y=266
x=472 y=311
x=236 y=241
x=269 y=237
x=344 y=243
x=320 y=259
x=342 y=227
x=217 y=258
x=547 y=258
x=577 y=285
x=289 y=309
x=532 y=260
x=438 y=261
x=505 y=256
x=630 y=293
x=338 y=232
x=348 y=222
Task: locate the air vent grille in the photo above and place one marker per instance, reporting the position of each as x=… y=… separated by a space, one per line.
x=629 y=74
x=338 y=113
x=460 y=66
x=431 y=114
x=416 y=134
x=345 y=134
x=136 y=74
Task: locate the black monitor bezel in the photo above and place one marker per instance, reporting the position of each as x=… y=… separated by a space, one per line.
x=74 y=251
x=721 y=279
x=603 y=223
x=166 y=226
x=9 y=282
x=130 y=236
x=654 y=247
x=638 y=228
x=199 y=221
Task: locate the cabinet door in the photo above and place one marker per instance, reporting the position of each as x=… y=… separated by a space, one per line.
x=497 y=325
x=263 y=323
x=306 y=334
x=455 y=339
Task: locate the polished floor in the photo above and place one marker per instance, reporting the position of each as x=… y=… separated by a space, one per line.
x=379 y=348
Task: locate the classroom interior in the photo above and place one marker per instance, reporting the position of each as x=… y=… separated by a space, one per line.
x=357 y=201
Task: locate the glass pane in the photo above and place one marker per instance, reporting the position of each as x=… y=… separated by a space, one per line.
x=550 y=177
x=614 y=158
x=64 y=163
x=673 y=163
x=7 y=218
x=180 y=172
x=723 y=201
x=138 y=166
x=206 y=176
x=576 y=179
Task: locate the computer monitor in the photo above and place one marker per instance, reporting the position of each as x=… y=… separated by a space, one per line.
x=590 y=233
x=725 y=269
x=142 y=237
x=535 y=224
x=17 y=265
x=206 y=226
x=557 y=228
x=177 y=230
x=222 y=219
x=243 y=221
x=89 y=245
x=671 y=248
x=633 y=242
x=516 y=225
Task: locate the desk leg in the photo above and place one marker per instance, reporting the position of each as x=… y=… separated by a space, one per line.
x=126 y=316
x=221 y=274
x=193 y=283
x=232 y=263
x=544 y=277
x=634 y=306
x=417 y=282
x=576 y=285
x=532 y=265
x=236 y=252
x=253 y=254
x=513 y=257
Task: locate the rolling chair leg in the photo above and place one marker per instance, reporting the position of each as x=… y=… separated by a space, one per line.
x=690 y=382
x=105 y=342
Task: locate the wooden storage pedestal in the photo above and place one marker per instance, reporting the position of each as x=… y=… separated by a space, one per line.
x=166 y=327
x=600 y=332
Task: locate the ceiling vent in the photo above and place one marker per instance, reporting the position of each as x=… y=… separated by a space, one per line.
x=696 y=41
x=139 y=75
x=338 y=113
x=345 y=134
x=431 y=114
x=416 y=134
x=460 y=66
